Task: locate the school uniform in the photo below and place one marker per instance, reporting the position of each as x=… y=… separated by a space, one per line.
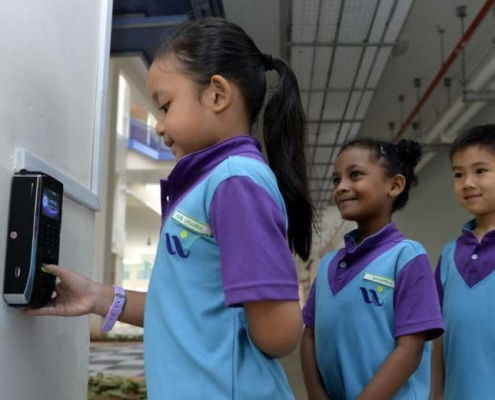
x=466 y=285
x=365 y=297
x=222 y=243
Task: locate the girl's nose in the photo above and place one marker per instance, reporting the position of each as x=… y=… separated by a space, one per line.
x=338 y=191
x=160 y=131
x=341 y=187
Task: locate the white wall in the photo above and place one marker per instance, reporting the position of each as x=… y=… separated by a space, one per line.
x=433 y=216
x=48 y=76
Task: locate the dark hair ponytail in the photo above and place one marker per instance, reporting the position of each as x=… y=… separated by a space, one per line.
x=284 y=135
x=211 y=46
x=400 y=158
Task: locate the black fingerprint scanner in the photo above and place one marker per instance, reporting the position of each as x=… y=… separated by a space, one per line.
x=33 y=238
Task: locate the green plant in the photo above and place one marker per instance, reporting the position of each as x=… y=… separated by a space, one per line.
x=103 y=387
x=116 y=338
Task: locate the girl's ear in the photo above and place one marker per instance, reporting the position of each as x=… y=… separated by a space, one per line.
x=398 y=183
x=218 y=95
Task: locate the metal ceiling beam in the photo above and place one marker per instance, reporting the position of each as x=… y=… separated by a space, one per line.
x=483 y=95
x=342 y=44
x=337 y=90
x=133 y=22
x=334 y=121
x=427 y=148
x=207 y=8
x=458 y=49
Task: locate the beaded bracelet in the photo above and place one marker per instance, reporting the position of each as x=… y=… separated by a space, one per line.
x=115 y=309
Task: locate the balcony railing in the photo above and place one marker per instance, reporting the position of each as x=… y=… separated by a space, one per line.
x=143 y=139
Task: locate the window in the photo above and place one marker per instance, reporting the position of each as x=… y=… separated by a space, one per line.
x=126 y=273
x=144 y=270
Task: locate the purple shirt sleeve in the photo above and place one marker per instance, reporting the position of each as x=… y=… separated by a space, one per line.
x=416 y=301
x=250 y=230
x=438 y=281
x=309 y=308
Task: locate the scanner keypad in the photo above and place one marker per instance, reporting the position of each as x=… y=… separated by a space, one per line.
x=49 y=238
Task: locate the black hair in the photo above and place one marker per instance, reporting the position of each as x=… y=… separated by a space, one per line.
x=400 y=158
x=211 y=46
x=482 y=136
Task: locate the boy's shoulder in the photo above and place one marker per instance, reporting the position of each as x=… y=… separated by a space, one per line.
x=450 y=244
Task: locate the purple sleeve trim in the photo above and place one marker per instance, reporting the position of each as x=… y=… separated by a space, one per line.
x=238 y=296
x=250 y=230
x=438 y=281
x=309 y=308
x=432 y=329
x=308 y=320
x=417 y=308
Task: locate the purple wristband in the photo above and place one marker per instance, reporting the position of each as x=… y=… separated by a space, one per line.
x=115 y=309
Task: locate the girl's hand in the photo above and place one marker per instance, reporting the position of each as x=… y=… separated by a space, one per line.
x=75 y=295
x=396 y=369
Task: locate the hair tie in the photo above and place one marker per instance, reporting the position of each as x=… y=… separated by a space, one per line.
x=268 y=62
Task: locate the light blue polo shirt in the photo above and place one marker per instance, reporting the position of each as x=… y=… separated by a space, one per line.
x=466 y=279
x=208 y=263
x=365 y=297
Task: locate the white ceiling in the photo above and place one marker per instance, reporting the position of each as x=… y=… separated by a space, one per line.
x=353 y=59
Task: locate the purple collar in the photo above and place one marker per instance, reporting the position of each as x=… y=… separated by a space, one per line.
x=352 y=259
x=469 y=238
x=195 y=164
x=473 y=259
x=191 y=168
x=389 y=233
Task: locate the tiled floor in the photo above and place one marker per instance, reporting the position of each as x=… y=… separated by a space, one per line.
x=119 y=358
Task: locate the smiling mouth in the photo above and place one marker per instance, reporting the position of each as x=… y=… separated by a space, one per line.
x=472 y=197
x=343 y=202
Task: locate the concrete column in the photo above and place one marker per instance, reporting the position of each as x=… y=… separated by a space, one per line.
x=103 y=264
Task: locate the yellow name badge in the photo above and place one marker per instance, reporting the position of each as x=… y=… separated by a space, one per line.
x=380 y=279
x=191 y=223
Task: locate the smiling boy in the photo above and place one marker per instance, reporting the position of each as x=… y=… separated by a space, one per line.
x=464 y=366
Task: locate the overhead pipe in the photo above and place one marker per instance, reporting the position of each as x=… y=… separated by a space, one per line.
x=459 y=114
x=455 y=110
x=458 y=125
x=445 y=67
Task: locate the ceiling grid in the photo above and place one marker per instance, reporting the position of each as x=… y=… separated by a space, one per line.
x=339 y=49
x=348 y=36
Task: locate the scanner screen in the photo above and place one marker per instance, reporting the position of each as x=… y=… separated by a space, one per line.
x=50 y=204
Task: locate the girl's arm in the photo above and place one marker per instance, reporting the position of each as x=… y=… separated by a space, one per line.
x=438 y=369
x=77 y=295
x=311 y=374
x=133 y=312
x=275 y=327
x=397 y=369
